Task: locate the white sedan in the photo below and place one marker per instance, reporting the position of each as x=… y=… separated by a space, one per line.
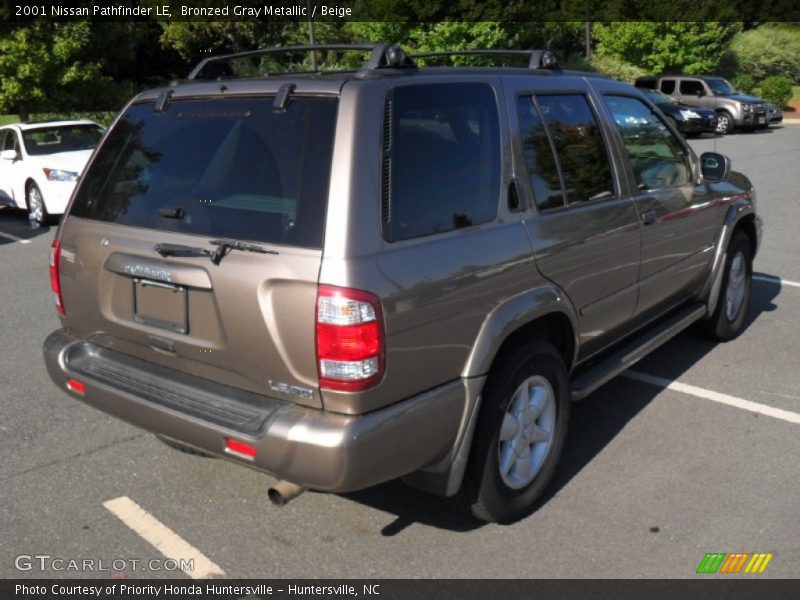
x=40 y=163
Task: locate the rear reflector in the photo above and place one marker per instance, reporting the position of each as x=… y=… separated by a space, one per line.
x=76 y=386
x=55 y=275
x=240 y=449
x=350 y=340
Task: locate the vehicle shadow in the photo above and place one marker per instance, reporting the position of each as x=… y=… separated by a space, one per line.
x=595 y=422
x=14 y=224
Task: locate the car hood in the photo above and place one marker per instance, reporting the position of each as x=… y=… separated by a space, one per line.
x=673 y=108
x=744 y=98
x=67 y=161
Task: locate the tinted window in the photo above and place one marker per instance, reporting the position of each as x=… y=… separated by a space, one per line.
x=691 y=87
x=539 y=160
x=51 y=140
x=649 y=84
x=579 y=146
x=657 y=157
x=444 y=162
x=234 y=167
x=721 y=86
x=10 y=142
x=667 y=86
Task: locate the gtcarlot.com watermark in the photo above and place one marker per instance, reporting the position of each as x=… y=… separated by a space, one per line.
x=47 y=562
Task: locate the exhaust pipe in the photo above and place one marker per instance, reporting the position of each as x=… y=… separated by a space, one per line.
x=284 y=492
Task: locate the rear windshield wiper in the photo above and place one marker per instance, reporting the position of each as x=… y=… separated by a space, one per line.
x=223 y=249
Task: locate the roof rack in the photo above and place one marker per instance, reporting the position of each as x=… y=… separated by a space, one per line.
x=381 y=56
x=537 y=59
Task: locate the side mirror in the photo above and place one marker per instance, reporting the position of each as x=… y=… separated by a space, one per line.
x=701 y=93
x=714 y=166
x=9 y=155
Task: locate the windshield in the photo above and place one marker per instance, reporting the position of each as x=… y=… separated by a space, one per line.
x=659 y=98
x=721 y=86
x=67 y=138
x=231 y=168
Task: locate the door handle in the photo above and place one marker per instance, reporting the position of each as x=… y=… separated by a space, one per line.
x=649 y=217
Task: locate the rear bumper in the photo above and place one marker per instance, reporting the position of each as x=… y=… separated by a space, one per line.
x=310 y=447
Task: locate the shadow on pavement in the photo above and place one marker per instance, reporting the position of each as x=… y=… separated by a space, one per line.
x=595 y=422
x=14 y=223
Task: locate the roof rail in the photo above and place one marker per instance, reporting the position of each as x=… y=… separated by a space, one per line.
x=537 y=59
x=381 y=56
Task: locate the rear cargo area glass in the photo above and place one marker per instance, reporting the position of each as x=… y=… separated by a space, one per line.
x=228 y=168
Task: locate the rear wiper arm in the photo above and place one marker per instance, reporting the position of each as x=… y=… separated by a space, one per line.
x=224 y=247
x=180 y=250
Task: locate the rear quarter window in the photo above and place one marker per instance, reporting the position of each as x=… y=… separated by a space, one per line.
x=234 y=167
x=442 y=159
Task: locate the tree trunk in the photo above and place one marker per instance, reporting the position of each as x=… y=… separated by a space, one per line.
x=23 y=114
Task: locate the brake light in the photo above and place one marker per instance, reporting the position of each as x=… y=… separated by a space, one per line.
x=350 y=341
x=55 y=280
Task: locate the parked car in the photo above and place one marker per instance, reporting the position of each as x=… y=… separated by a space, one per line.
x=344 y=278
x=691 y=121
x=734 y=110
x=40 y=163
x=775 y=114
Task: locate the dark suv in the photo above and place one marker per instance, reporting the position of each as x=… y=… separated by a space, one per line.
x=734 y=110
x=342 y=278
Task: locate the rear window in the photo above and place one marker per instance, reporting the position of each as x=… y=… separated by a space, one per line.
x=52 y=140
x=234 y=167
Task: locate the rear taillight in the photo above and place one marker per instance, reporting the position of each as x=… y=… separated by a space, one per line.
x=55 y=282
x=350 y=347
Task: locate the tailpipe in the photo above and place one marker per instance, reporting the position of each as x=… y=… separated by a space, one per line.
x=284 y=492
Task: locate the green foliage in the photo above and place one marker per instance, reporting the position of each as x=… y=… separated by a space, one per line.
x=658 y=47
x=616 y=69
x=777 y=89
x=768 y=50
x=744 y=82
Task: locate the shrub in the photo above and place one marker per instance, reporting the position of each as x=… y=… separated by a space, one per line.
x=768 y=50
x=616 y=68
x=744 y=82
x=777 y=89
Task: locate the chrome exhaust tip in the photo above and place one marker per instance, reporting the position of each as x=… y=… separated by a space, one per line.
x=284 y=492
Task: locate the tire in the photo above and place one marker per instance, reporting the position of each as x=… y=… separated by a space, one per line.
x=185 y=449
x=488 y=493
x=734 y=295
x=37 y=210
x=725 y=122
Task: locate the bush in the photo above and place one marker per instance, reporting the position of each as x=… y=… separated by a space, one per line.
x=616 y=69
x=744 y=83
x=768 y=50
x=777 y=89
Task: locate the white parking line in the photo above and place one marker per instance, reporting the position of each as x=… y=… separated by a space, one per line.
x=777 y=280
x=763 y=409
x=166 y=541
x=14 y=238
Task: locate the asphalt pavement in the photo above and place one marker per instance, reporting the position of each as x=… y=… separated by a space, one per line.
x=700 y=457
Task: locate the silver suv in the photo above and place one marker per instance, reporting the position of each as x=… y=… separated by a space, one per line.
x=734 y=110
x=342 y=278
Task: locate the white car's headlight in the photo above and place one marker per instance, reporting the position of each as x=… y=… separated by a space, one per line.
x=59 y=175
x=689 y=114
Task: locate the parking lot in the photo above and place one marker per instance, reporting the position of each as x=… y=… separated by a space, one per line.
x=695 y=451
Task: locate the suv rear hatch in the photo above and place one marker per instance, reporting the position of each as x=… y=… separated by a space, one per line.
x=144 y=267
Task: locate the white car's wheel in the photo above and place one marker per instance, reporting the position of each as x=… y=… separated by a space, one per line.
x=37 y=210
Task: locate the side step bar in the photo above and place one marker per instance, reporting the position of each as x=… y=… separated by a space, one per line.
x=631 y=353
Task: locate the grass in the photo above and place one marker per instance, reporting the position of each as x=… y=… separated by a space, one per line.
x=104 y=118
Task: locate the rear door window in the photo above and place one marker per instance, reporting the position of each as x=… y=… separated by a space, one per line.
x=441 y=163
x=540 y=161
x=667 y=86
x=230 y=168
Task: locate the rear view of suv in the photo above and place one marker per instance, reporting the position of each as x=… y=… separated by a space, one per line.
x=734 y=110
x=399 y=271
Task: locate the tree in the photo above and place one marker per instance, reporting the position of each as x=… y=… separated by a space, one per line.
x=671 y=47
x=771 y=49
x=72 y=66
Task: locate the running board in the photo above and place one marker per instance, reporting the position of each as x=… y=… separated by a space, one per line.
x=635 y=350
